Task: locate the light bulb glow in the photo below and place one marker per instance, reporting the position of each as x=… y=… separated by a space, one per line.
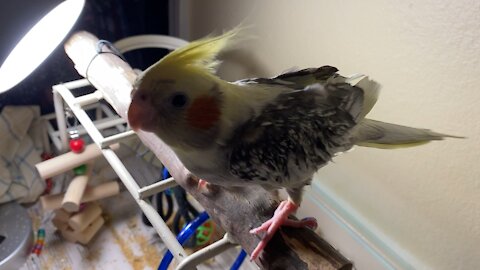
x=38 y=43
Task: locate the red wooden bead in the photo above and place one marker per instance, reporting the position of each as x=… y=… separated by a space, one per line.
x=77 y=145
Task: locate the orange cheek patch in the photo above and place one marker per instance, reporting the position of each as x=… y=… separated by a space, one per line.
x=204 y=112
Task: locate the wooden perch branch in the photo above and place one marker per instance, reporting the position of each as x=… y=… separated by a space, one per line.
x=235 y=210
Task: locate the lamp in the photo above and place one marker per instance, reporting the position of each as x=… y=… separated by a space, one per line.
x=29 y=32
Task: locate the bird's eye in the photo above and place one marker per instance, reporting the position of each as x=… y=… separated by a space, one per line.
x=178 y=100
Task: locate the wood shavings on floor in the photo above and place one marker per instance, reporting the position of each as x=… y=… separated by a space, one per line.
x=123 y=243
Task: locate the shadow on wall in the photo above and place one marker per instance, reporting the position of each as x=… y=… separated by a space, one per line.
x=241 y=64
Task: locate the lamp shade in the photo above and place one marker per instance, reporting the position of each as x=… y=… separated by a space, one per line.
x=29 y=32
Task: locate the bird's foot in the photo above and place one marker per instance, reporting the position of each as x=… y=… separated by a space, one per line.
x=201 y=184
x=280 y=218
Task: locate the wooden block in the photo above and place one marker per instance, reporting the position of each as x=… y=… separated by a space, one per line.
x=52 y=202
x=73 y=196
x=62 y=215
x=59 y=224
x=85 y=236
x=68 y=234
x=80 y=221
x=91 y=230
x=101 y=191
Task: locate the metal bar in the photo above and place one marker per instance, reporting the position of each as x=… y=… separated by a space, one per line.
x=101 y=124
x=61 y=123
x=81 y=115
x=206 y=253
x=110 y=114
x=76 y=84
x=157 y=187
x=55 y=138
x=98 y=113
x=117 y=138
x=46 y=144
x=89 y=98
x=52 y=116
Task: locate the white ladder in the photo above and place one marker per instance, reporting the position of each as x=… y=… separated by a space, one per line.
x=62 y=93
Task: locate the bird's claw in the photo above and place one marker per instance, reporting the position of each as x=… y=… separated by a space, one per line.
x=201 y=184
x=280 y=218
x=309 y=222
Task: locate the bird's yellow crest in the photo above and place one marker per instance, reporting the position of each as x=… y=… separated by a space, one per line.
x=199 y=55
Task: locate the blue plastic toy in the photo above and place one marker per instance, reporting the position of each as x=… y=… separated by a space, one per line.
x=187 y=232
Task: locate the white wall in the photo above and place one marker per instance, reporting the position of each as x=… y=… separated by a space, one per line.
x=426 y=54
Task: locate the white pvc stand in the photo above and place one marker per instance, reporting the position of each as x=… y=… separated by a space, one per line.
x=62 y=94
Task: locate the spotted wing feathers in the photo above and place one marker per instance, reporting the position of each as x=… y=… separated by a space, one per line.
x=296 y=134
x=298 y=79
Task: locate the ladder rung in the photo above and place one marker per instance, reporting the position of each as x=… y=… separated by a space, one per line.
x=157 y=187
x=88 y=99
x=206 y=253
x=116 y=138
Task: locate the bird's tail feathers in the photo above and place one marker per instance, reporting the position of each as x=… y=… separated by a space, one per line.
x=372 y=133
x=371 y=90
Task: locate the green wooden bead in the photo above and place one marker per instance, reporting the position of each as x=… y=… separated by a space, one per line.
x=80 y=170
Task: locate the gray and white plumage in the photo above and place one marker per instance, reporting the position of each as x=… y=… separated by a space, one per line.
x=298 y=132
x=274 y=132
x=277 y=132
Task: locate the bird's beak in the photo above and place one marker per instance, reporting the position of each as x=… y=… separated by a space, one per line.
x=133 y=117
x=139 y=112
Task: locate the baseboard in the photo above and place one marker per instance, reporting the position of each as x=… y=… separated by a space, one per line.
x=345 y=229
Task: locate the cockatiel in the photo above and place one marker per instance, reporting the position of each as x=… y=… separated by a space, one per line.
x=274 y=132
